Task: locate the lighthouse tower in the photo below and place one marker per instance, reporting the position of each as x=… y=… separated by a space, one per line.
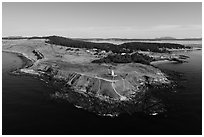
x=113 y=74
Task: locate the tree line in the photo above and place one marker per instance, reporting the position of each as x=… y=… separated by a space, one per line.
x=128 y=58
x=122 y=48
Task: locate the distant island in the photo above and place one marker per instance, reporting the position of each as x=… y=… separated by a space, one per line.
x=135 y=39
x=166 y=38
x=119 y=39
x=104 y=78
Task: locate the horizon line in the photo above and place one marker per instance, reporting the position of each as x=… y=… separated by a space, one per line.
x=156 y=38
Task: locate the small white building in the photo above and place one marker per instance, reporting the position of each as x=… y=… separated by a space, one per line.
x=103 y=51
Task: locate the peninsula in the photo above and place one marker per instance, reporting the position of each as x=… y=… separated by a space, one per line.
x=101 y=77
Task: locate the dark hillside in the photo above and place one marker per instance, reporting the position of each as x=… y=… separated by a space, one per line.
x=154 y=47
x=126 y=47
x=80 y=44
x=133 y=58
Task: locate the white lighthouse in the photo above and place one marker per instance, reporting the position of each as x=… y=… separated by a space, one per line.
x=113 y=74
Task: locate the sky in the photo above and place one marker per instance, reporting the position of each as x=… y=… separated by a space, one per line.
x=103 y=20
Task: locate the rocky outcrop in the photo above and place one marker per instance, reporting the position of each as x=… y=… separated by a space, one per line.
x=106 y=90
x=117 y=83
x=38 y=54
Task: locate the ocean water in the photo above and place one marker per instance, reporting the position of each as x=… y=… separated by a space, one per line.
x=196 y=43
x=27 y=106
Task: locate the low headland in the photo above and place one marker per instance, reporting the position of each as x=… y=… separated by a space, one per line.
x=104 y=78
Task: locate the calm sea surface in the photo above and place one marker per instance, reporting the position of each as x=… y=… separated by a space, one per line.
x=29 y=109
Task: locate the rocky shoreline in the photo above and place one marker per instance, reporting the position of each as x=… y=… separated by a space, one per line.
x=105 y=89
x=27 y=62
x=104 y=106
